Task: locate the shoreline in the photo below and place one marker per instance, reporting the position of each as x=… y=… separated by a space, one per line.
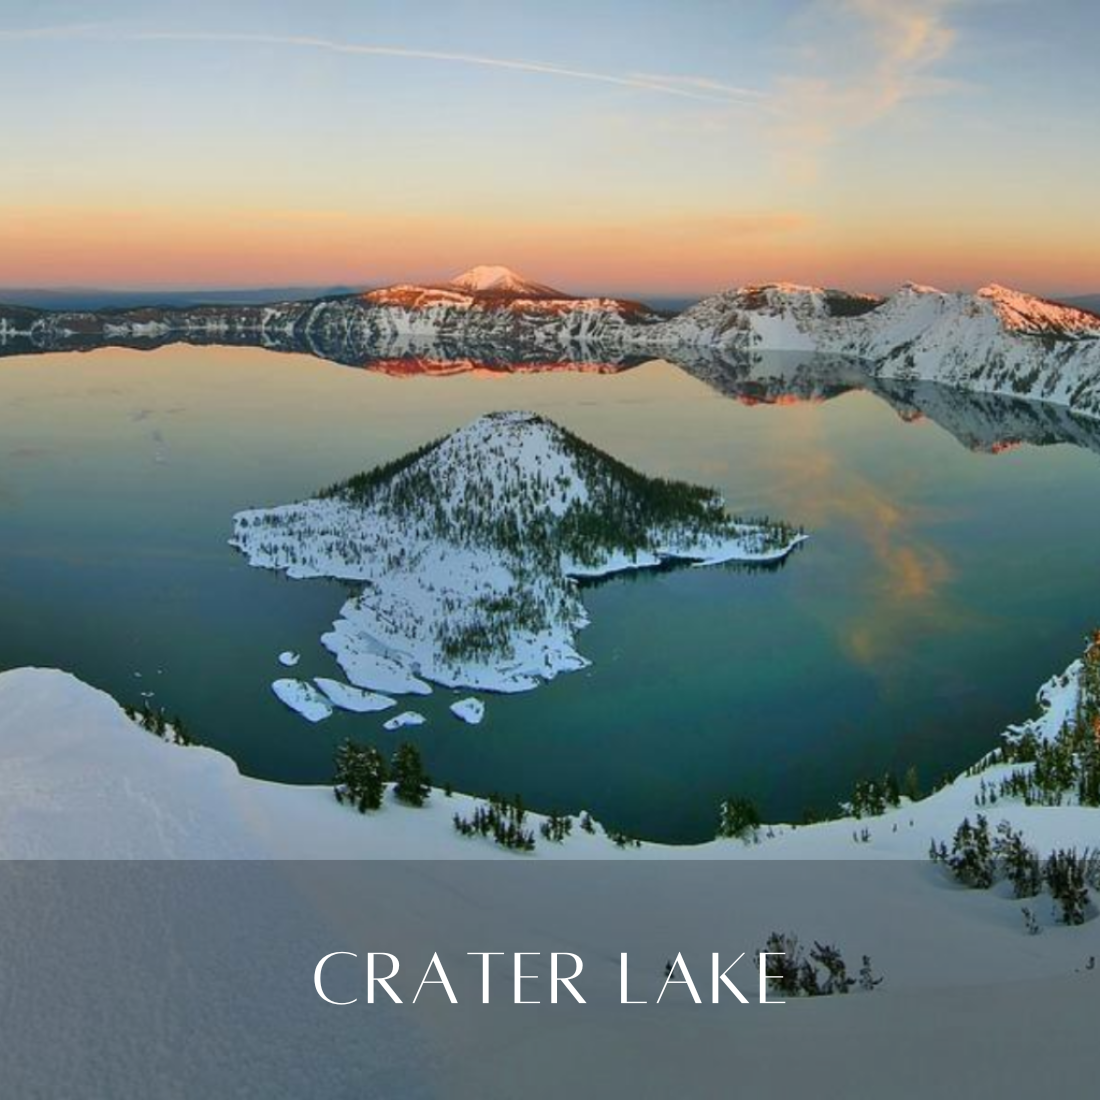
x=304 y=821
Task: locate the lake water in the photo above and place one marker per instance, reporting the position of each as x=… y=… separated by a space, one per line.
x=940 y=587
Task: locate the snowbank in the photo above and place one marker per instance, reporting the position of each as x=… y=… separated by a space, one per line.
x=79 y=779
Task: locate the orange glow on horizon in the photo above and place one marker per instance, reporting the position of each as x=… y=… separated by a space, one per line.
x=157 y=247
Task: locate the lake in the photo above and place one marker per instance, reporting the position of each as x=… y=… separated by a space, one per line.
x=941 y=585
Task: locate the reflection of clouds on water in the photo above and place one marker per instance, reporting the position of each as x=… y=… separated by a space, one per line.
x=9 y=495
x=160 y=456
x=908 y=577
x=137 y=415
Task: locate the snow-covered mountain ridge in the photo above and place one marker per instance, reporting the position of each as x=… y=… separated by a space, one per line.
x=996 y=340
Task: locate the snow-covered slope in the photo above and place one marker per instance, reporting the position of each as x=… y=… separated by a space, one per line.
x=494 y=279
x=768 y=317
x=467 y=549
x=964 y=983
x=484 y=311
x=482 y=307
x=81 y=779
x=995 y=341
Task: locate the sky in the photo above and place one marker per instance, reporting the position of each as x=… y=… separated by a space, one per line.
x=627 y=146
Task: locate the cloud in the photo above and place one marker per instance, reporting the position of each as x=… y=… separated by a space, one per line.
x=863 y=59
x=709 y=87
x=683 y=87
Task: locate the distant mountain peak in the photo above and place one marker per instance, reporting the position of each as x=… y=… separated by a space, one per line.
x=497 y=279
x=910 y=287
x=783 y=286
x=1026 y=313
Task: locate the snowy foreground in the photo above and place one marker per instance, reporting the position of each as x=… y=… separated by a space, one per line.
x=80 y=779
x=469 y=550
x=964 y=983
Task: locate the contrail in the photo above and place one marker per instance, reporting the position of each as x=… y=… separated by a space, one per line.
x=699 y=88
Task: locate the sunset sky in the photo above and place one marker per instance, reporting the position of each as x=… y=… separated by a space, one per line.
x=630 y=146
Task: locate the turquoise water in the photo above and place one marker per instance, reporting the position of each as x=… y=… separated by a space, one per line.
x=940 y=586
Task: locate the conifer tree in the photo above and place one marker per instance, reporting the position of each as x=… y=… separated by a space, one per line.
x=360 y=776
x=1065 y=874
x=1021 y=864
x=868 y=982
x=411 y=784
x=836 y=973
x=738 y=817
x=971 y=858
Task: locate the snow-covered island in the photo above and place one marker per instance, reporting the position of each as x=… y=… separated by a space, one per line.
x=469 y=550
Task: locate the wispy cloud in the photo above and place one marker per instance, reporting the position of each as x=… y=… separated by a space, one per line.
x=862 y=60
x=701 y=86
x=683 y=87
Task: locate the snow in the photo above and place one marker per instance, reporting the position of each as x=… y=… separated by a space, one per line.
x=355 y=699
x=1026 y=313
x=79 y=780
x=486 y=276
x=364 y=658
x=63 y=744
x=145 y=329
x=405 y=718
x=303 y=698
x=997 y=340
x=964 y=984
x=495 y=278
x=470 y=710
x=288 y=658
x=425 y=580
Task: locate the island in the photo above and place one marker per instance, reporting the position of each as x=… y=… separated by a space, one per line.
x=470 y=549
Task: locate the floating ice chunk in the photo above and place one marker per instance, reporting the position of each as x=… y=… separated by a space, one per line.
x=356 y=699
x=405 y=718
x=470 y=710
x=303 y=698
x=366 y=667
x=288 y=658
